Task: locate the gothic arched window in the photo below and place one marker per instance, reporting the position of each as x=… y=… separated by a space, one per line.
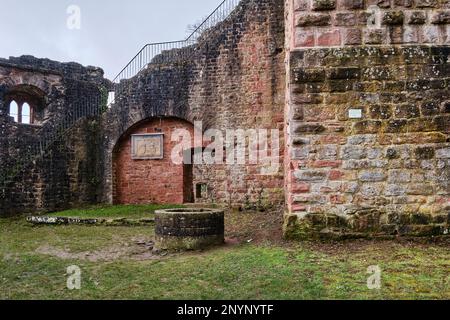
x=26 y=113
x=14 y=110
x=25 y=104
x=22 y=112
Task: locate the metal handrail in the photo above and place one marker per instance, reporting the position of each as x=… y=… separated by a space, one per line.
x=149 y=51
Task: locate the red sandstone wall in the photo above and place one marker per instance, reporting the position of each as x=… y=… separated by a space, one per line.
x=150 y=181
x=234 y=79
x=240 y=84
x=334 y=23
x=388 y=171
x=67 y=174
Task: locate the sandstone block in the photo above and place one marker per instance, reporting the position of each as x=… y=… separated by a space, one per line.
x=416 y=17
x=353 y=153
x=308 y=75
x=346 y=19
x=372 y=176
x=424 y=153
x=301 y=5
x=352 y=37
x=313 y=20
x=403 y=3
x=443 y=153
x=430 y=34
x=420 y=189
x=410 y=35
x=399 y=176
x=309 y=128
x=371 y=190
x=319 y=5
x=368 y=126
x=380 y=3
x=351 y=4
x=430 y=109
x=426 y=3
x=395 y=190
x=407 y=111
x=344 y=73
x=304 y=38
x=310 y=175
x=441 y=17
x=393 y=18
x=329 y=38
x=298 y=113
x=361 y=139
x=375 y=36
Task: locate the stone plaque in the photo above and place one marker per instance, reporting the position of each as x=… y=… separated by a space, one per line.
x=147 y=146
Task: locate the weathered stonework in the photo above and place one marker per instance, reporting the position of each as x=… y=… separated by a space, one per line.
x=235 y=80
x=116 y=222
x=387 y=172
x=68 y=174
x=189 y=229
x=364 y=106
x=334 y=23
x=152 y=181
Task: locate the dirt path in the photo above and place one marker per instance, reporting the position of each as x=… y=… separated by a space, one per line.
x=139 y=249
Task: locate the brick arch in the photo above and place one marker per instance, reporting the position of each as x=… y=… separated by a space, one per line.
x=145 y=181
x=134 y=119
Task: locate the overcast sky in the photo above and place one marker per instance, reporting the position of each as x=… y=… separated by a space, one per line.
x=111 y=33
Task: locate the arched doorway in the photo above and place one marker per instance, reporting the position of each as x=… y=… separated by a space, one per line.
x=143 y=170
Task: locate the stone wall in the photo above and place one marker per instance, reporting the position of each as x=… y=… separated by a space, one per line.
x=364 y=109
x=235 y=79
x=368 y=127
x=327 y=23
x=141 y=181
x=68 y=173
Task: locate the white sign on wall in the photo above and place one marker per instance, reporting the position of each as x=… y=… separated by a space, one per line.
x=147 y=146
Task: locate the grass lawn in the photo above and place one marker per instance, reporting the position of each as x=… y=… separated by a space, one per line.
x=120 y=211
x=255 y=264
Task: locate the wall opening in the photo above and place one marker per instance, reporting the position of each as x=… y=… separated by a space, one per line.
x=201 y=191
x=26 y=104
x=21 y=112
x=26 y=113
x=14 y=111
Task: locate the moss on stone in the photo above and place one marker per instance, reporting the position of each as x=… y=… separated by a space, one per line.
x=295 y=228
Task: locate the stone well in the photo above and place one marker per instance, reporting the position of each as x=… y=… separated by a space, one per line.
x=189 y=229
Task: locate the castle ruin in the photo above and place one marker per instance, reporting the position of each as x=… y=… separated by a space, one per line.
x=358 y=90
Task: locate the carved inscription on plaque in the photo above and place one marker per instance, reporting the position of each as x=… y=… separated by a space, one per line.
x=147 y=146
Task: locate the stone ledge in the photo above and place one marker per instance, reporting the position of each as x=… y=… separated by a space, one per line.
x=118 y=222
x=331 y=227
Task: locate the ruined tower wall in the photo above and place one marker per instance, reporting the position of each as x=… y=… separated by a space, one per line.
x=240 y=85
x=368 y=119
x=67 y=174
